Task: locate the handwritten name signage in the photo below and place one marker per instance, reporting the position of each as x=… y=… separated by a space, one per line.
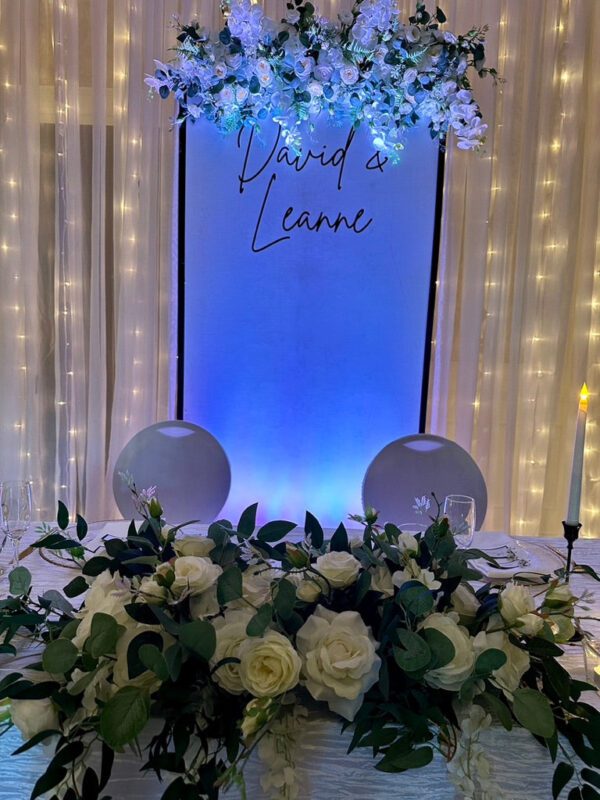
x=261 y=169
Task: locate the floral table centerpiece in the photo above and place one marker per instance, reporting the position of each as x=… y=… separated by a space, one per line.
x=224 y=640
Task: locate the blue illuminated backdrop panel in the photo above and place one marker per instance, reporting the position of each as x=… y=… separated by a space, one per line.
x=306 y=297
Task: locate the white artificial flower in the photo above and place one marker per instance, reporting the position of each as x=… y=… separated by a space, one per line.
x=221 y=69
x=451 y=676
x=323 y=73
x=265 y=78
x=508 y=677
x=194 y=575
x=530 y=624
x=193 y=546
x=413 y=572
x=346 y=17
x=269 y=665
x=34 y=716
x=339 y=659
x=231 y=633
x=256 y=586
x=349 y=74
x=304 y=66
x=262 y=67
x=315 y=88
x=515 y=601
x=339 y=569
x=465 y=603
x=241 y=94
x=152 y=592
x=205 y=604
x=412 y=34
x=109 y=595
x=559 y=595
x=292 y=16
x=227 y=95
x=97 y=687
x=381 y=580
x=408 y=543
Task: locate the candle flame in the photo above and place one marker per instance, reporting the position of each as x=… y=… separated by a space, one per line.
x=583 y=398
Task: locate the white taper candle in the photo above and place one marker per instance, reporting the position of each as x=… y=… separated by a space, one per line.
x=577 y=468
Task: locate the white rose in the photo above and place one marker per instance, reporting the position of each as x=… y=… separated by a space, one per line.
x=308 y=587
x=109 y=595
x=256 y=586
x=292 y=16
x=241 y=94
x=508 y=677
x=339 y=569
x=349 y=74
x=231 y=634
x=221 y=69
x=226 y=95
x=515 y=601
x=194 y=546
x=263 y=67
x=34 y=716
x=323 y=73
x=151 y=592
x=146 y=680
x=464 y=602
x=205 y=604
x=339 y=659
x=530 y=624
x=413 y=572
x=408 y=543
x=381 y=580
x=315 y=88
x=269 y=666
x=194 y=575
x=454 y=674
x=412 y=34
x=265 y=79
x=304 y=66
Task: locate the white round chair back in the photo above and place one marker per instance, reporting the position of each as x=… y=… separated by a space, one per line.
x=187 y=465
x=411 y=468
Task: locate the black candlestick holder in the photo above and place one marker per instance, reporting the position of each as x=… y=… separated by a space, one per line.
x=571 y=534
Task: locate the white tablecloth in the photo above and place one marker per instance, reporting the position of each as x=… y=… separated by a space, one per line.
x=522 y=767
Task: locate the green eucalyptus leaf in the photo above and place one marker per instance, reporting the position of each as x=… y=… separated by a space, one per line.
x=77 y=586
x=62 y=516
x=260 y=621
x=124 y=716
x=284 y=598
x=415 y=598
x=199 y=637
x=274 y=531
x=104 y=634
x=414 y=653
x=19 y=581
x=135 y=665
x=151 y=657
x=533 y=711
x=312 y=528
x=339 y=541
x=173 y=656
x=60 y=656
x=229 y=585
x=247 y=522
x=562 y=775
x=442 y=649
x=81 y=528
x=489 y=661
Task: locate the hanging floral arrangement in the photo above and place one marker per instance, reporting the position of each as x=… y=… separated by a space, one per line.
x=368 y=67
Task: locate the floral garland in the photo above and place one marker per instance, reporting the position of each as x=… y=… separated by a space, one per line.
x=368 y=67
x=224 y=640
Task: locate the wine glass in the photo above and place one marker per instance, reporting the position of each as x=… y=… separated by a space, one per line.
x=460 y=511
x=15 y=515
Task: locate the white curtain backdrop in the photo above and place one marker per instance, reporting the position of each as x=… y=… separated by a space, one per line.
x=86 y=263
x=517 y=329
x=87 y=188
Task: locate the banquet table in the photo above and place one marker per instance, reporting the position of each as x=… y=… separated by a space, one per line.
x=522 y=768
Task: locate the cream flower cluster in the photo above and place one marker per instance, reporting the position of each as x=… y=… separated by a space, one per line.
x=368 y=66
